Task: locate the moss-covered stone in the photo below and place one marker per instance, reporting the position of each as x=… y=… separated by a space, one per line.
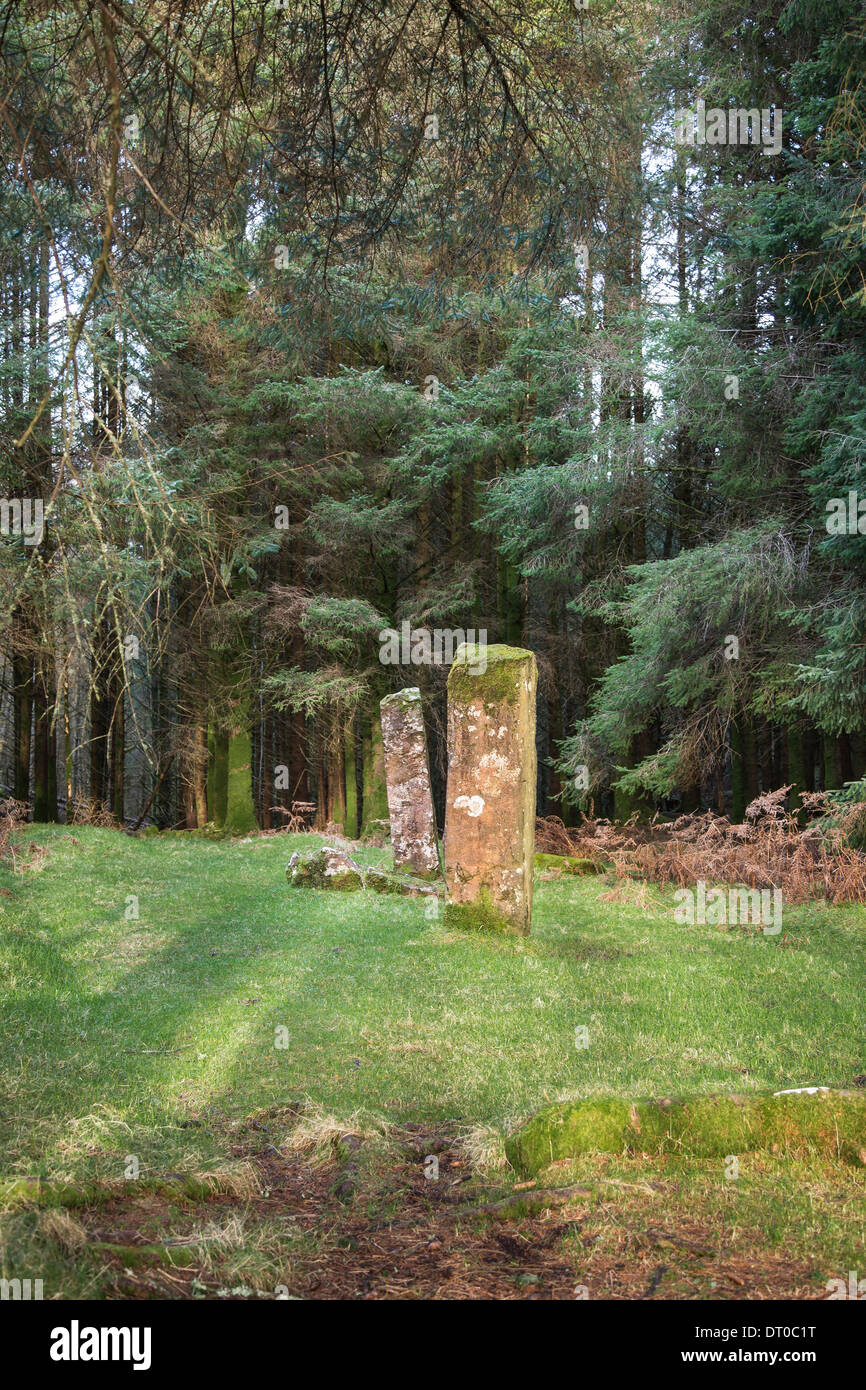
x=829 y=1122
x=325 y=868
x=218 y=775
x=334 y=869
x=405 y=699
x=404 y=885
x=565 y=863
x=562 y=1131
x=503 y=673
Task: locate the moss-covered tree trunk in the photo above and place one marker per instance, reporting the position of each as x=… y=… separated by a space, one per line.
x=218 y=779
x=240 y=811
x=375 y=802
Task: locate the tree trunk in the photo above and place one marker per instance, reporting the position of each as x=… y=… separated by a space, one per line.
x=336 y=771
x=199 y=772
x=832 y=763
x=22 y=682
x=45 y=745
x=118 y=749
x=738 y=773
x=358 y=758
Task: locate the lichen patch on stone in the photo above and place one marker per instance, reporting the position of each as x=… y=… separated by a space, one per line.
x=474 y=805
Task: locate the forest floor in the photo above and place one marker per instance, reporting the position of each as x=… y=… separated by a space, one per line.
x=339 y=1073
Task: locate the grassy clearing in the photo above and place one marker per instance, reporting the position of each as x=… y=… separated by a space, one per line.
x=154 y=1037
x=122 y=1036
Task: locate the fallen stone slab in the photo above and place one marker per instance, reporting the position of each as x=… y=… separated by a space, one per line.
x=832 y=1123
x=386 y=881
x=490 y=802
x=334 y=868
x=325 y=868
x=414 y=837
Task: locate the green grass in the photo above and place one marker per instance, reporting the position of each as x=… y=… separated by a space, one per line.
x=116 y=1033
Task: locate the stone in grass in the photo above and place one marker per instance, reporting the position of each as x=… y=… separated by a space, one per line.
x=386 y=881
x=831 y=1123
x=333 y=868
x=490 y=803
x=325 y=868
x=407 y=776
x=565 y=863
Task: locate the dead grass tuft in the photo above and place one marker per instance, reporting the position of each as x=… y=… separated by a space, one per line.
x=484 y=1146
x=12 y=814
x=237 y=1180
x=318 y=1132
x=58 y=1225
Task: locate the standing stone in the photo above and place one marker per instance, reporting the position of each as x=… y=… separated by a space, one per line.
x=407 y=778
x=490 y=805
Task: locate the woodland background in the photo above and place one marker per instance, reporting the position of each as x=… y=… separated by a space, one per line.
x=285 y=371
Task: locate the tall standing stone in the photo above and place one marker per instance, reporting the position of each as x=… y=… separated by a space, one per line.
x=407 y=778
x=490 y=806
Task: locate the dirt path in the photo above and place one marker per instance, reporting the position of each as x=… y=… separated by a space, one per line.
x=410 y=1237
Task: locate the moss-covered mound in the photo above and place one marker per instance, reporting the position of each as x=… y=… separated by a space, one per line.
x=827 y=1122
x=565 y=863
x=39 y=1192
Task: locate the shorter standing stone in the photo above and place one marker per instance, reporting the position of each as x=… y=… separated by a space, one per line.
x=407 y=776
x=490 y=804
